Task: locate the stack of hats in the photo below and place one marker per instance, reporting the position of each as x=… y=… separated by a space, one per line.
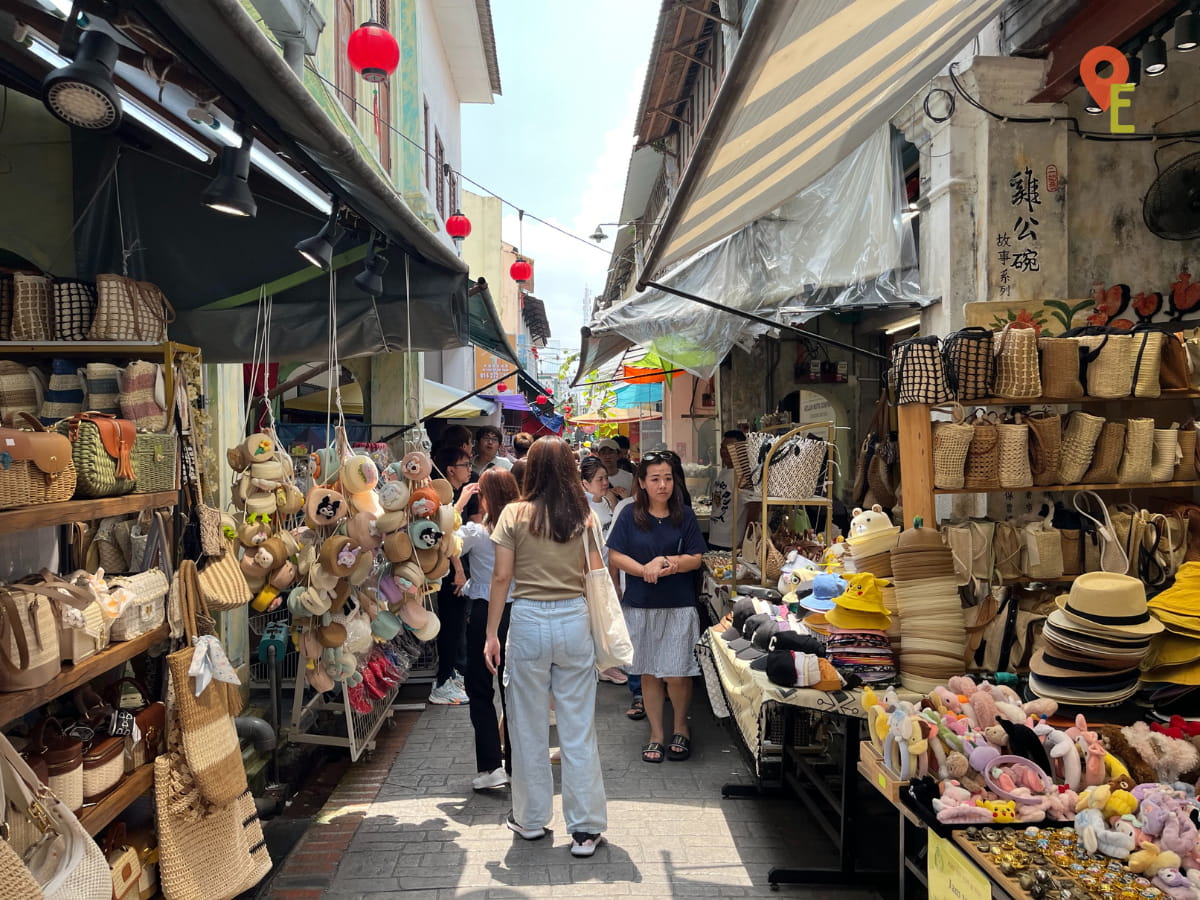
x=767 y=637
x=931 y=619
x=858 y=642
x=871 y=532
x=1094 y=642
x=1174 y=656
x=825 y=587
x=881 y=565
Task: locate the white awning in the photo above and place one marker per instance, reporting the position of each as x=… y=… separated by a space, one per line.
x=438 y=395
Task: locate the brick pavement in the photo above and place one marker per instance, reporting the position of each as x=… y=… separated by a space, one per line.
x=406 y=824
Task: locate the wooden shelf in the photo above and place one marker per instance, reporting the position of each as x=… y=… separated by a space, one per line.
x=790 y=501
x=16 y=704
x=1050 y=488
x=45 y=515
x=95 y=817
x=95 y=348
x=1173 y=394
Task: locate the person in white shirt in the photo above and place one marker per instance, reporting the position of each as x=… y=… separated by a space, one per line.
x=609 y=453
x=487 y=450
x=724 y=518
x=601 y=498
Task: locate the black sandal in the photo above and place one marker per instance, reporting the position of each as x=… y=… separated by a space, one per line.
x=654 y=747
x=680 y=747
x=637 y=710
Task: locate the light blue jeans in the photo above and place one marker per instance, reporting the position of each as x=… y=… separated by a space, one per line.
x=550 y=654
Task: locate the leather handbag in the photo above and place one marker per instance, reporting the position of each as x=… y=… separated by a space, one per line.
x=1174 y=373
x=150 y=717
x=128 y=310
x=102 y=449
x=39 y=467
x=29 y=652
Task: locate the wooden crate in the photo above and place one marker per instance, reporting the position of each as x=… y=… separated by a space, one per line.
x=871 y=767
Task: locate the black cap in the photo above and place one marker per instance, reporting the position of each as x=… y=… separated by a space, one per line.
x=760 y=641
x=798 y=641
x=749 y=625
x=742 y=610
x=780 y=666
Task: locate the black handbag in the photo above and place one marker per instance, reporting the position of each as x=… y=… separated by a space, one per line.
x=970 y=364
x=917 y=374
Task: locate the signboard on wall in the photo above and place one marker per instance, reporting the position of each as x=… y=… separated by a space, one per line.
x=489 y=367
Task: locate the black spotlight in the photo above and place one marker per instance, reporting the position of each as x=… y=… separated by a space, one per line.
x=370 y=279
x=318 y=249
x=1187 y=32
x=228 y=192
x=1135 y=69
x=1154 y=56
x=82 y=93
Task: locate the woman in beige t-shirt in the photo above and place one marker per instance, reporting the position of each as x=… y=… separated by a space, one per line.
x=549 y=654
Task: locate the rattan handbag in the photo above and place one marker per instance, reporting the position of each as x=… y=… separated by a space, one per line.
x=18 y=392
x=1060 y=368
x=1186 y=470
x=102 y=449
x=39 y=468
x=1137 y=462
x=154 y=464
x=982 y=469
x=1147 y=363
x=1166 y=454
x=1045 y=446
x=222 y=583
x=756 y=545
x=1107 y=359
x=1078 y=444
x=1014 y=470
x=1106 y=457
x=32 y=319
x=951 y=442
x=74 y=309
x=917 y=373
x=129 y=310
x=1018 y=376
x=970 y=364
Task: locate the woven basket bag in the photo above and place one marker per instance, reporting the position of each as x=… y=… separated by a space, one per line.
x=1186 y=470
x=1078 y=444
x=222 y=583
x=1045 y=446
x=18 y=392
x=1060 y=368
x=951 y=441
x=1137 y=462
x=1042 y=553
x=6 y=307
x=982 y=469
x=153 y=461
x=64 y=394
x=1107 y=365
x=1015 y=472
x=917 y=373
x=795 y=468
x=141 y=393
x=1018 y=376
x=970 y=364
x=1147 y=363
x=1106 y=457
x=74 y=309
x=32 y=320
x=1166 y=453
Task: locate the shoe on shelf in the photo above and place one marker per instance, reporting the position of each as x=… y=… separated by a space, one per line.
x=584 y=844
x=486 y=781
x=446 y=694
x=529 y=834
x=614 y=676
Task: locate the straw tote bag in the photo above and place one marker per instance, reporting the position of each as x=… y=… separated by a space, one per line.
x=1106 y=458
x=982 y=469
x=1041 y=555
x=1045 y=446
x=74 y=309
x=1014 y=470
x=972 y=546
x=129 y=310
x=1147 y=363
x=970 y=364
x=32 y=318
x=1173 y=373
x=1137 y=463
x=1113 y=557
x=1060 y=368
x=1018 y=376
x=1166 y=453
x=1107 y=364
x=795 y=468
x=1078 y=444
x=223 y=584
x=774 y=559
x=609 y=632
x=951 y=441
x=1007 y=553
x=1186 y=469
x=917 y=373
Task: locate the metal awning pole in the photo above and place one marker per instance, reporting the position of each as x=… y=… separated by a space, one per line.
x=438 y=412
x=761 y=320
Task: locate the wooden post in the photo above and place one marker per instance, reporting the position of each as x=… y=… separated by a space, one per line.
x=916 y=463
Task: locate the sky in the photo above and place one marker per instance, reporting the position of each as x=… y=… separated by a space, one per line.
x=557 y=142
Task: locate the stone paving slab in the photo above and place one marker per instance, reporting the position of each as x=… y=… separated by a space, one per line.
x=406 y=824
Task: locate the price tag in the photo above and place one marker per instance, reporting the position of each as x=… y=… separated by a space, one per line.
x=952 y=874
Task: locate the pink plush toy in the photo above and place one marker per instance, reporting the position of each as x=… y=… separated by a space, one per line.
x=1174 y=884
x=1060 y=807
x=956 y=805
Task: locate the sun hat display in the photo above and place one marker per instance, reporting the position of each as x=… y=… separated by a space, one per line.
x=825 y=587
x=871 y=531
x=1106 y=601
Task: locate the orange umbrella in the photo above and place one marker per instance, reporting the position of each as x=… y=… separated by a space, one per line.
x=642 y=375
x=613 y=416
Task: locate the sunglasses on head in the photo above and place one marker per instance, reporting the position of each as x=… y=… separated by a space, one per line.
x=658 y=456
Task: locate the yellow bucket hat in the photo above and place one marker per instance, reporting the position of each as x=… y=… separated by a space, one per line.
x=864 y=593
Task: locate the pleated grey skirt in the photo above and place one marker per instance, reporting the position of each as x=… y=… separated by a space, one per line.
x=664 y=641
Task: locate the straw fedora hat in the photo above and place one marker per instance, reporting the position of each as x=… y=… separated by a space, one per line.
x=1113 y=602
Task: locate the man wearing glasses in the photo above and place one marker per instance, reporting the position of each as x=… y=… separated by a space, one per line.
x=610 y=452
x=487 y=450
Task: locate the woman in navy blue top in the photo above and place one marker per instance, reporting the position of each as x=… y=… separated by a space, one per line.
x=655 y=542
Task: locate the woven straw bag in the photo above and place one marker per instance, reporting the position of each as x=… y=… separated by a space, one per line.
x=1045 y=446
x=74 y=309
x=153 y=460
x=101 y=470
x=1015 y=472
x=103 y=766
x=1017 y=373
x=16 y=881
x=1186 y=470
x=142 y=398
x=103 y=382
x=1072 y=551
x=1147 y=363
x=31 y=320
x=1041 y=555
x=148 y=607
x=1166 y=453
x=29 y=652
x=129 y=310
x=970 y=365
x=794 y=468
x=6 y=306
x=222 y=583
x=1106 y=457
x=917 y=373
x=62 y=755
x=1060 y=368
x=1078 y=444
x=39 y=468
x=972 y=547
x=18 y=392
x=772 y=565
x=1008 y=540
x=982 y=469
x=1107 y=365
x=739 y=454
x=951 y=441
x=210 y=742
x=64 y=394
x=1138 y=460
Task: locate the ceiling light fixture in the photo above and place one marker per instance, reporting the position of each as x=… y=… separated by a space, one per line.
x=1135 y=69
x=82 y=92
x=370 y=279
x=1154 y=56
x=1187 y=32
x=318 y=249
x=228 y=192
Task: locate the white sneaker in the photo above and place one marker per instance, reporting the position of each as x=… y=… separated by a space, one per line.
x=584 y=844
x=459 y=681
x=446 y=694
x=486 y=781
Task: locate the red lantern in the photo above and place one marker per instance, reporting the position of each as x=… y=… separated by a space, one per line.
x=502 y=387
x=458 y=226
x=567 y=410
x=373 y=52
x=550 y=391
x=541 y=400
x=521 y=271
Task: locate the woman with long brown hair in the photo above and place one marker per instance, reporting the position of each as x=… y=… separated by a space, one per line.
x=550 y=655
x=496 y=489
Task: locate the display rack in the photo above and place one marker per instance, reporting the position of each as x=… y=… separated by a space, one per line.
x=766 y=502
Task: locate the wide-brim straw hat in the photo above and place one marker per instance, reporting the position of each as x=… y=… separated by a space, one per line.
x=1059 y=669
x=1110 y=602
x=1076 y=697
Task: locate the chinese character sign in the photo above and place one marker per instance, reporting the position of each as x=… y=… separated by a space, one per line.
x=1017 y=247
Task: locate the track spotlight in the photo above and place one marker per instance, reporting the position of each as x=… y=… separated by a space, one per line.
x=1154 y=56
x=82 y=93
x=1135 y=69
x=228 y=192
x=318 y=249
x=1187 y=32
x=370 y=279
